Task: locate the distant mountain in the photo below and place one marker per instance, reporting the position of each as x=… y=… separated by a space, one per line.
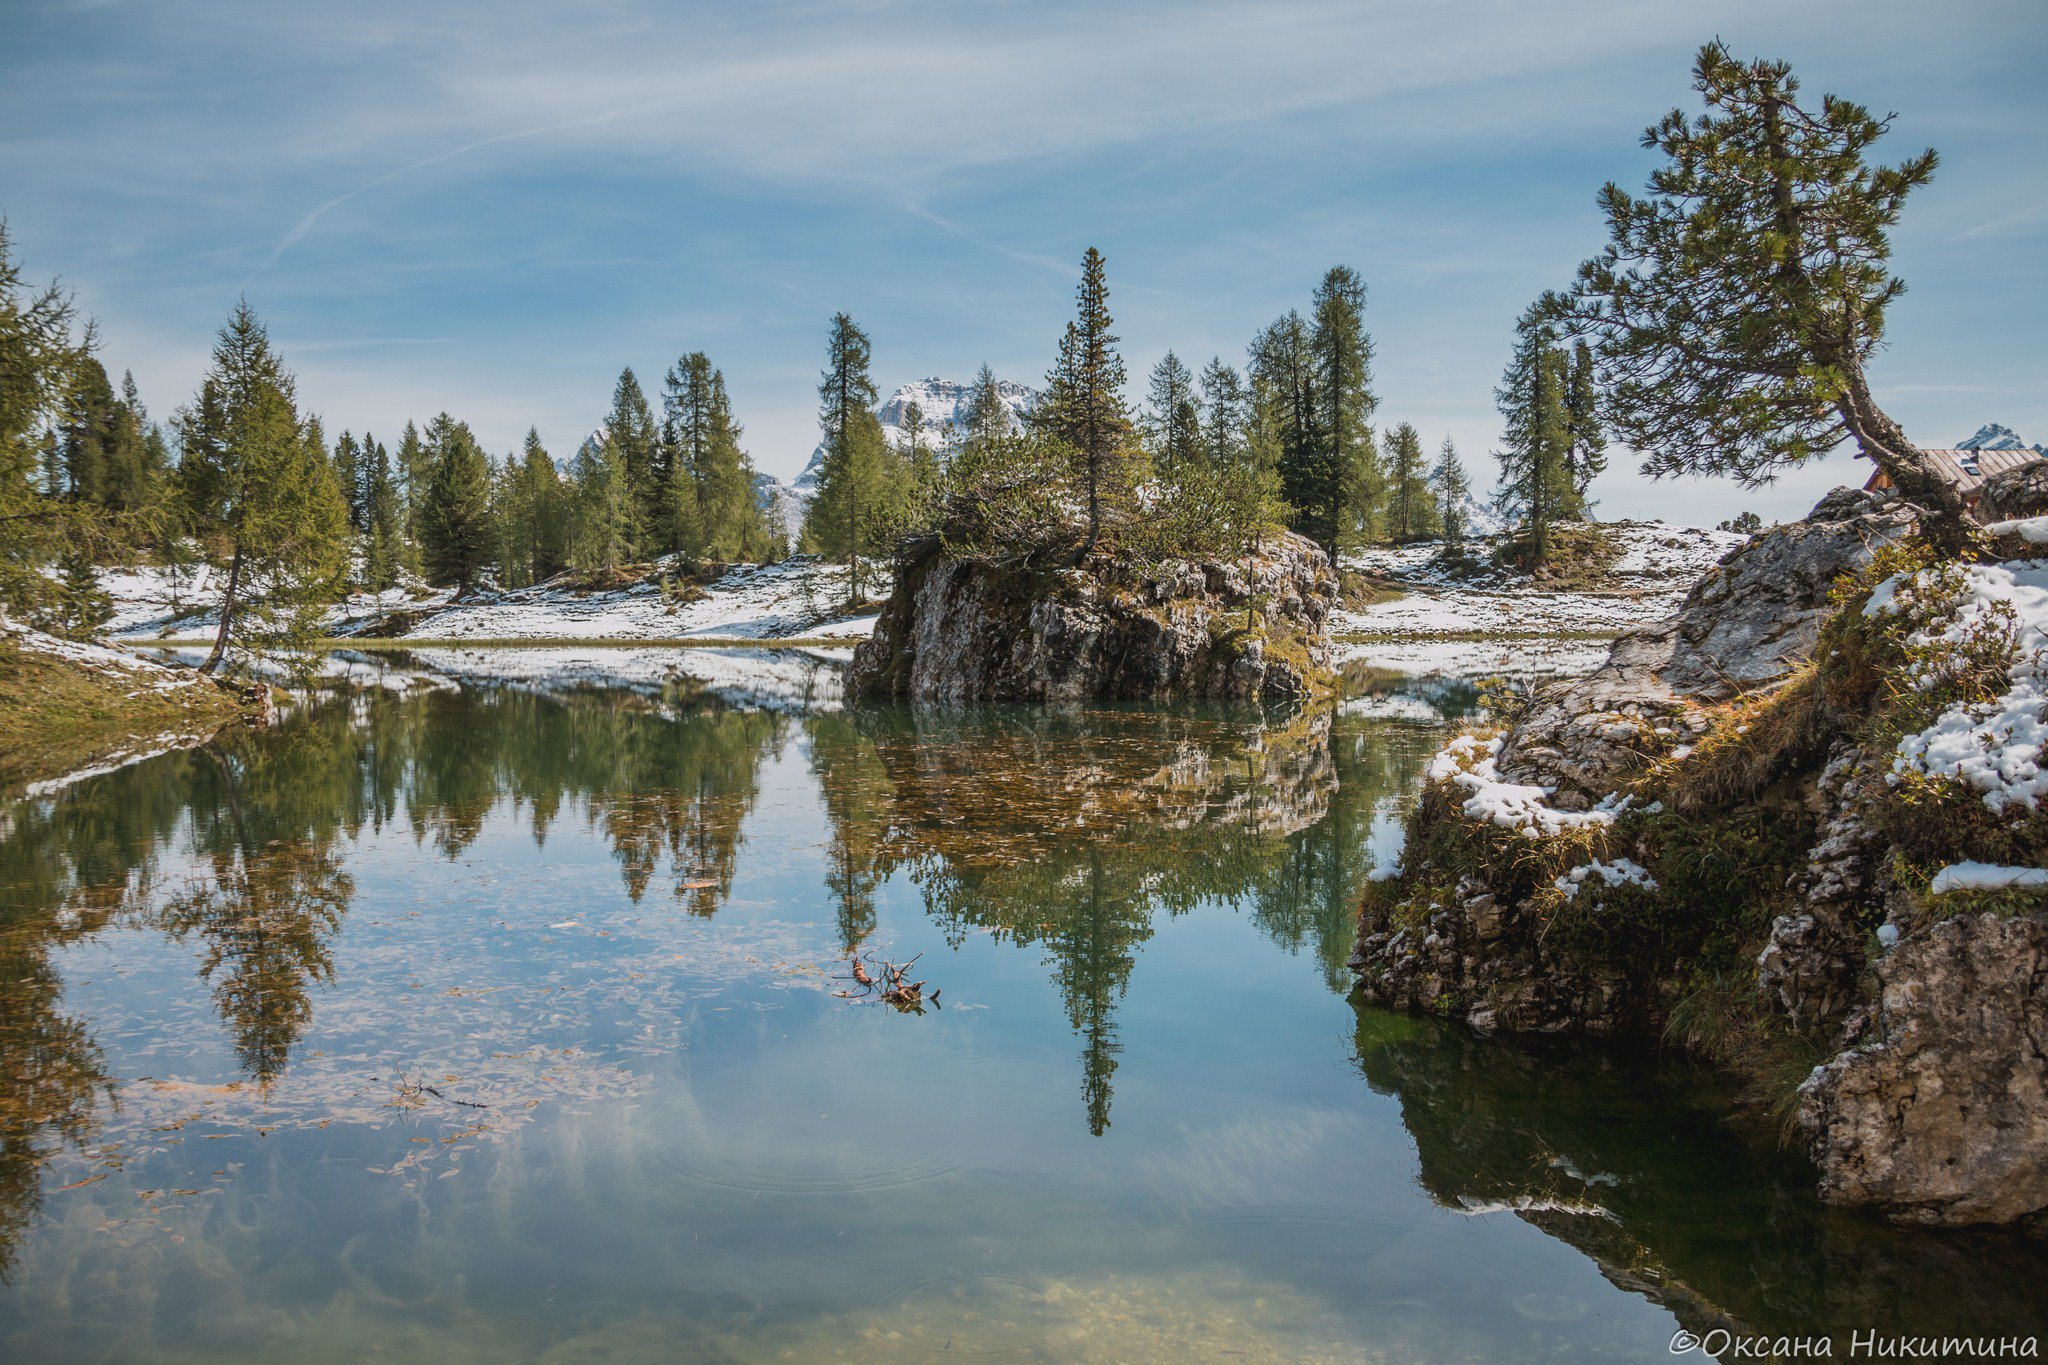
x=944 y=404
x=1992 y=436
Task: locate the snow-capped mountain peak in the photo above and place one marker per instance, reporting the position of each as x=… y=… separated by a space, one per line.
x=1992 y=436
x=943 y=404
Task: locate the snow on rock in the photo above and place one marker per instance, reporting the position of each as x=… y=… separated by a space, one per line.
x=2000 y=747
x=1469 y=762
x=2033 y=530
x=1620 y=872
x=1985 y=877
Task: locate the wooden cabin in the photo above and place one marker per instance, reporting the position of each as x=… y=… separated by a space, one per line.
x=1968 y=469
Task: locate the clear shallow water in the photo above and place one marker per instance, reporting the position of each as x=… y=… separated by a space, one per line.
x=493 y=1025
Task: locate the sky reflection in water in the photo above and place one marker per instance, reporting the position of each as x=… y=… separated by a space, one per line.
x=499 y=1024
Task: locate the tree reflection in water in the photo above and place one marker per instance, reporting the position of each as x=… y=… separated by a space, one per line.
x=1075 y=830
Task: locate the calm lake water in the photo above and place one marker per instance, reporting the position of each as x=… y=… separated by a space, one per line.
x=500 y=1023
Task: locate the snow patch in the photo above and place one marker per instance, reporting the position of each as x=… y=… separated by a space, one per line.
x=1985 y=877
x=1620 y=872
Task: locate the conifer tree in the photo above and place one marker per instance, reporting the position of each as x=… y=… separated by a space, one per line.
x=87 y=432
x=1737 y=302
x=711 y=501
x=456 y=534
x=348 y=468
x=384 y=533
x=847 y=513
x=258 y=486
x=42 y=350
x=921 y=460
x=1352 y=483
x=985 y=418
x=1172 y=423
x=1084 y=402
x=415 y=472
x=1448 y=484
x=637 y=439
x=1288 y=430
x=601 y=531
x=1535 y=476
x=542 y=542
x=1411 y=513
x=1586 y=438
x=1225 y=419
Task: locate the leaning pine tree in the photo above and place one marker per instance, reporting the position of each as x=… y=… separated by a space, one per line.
x=1737 y=303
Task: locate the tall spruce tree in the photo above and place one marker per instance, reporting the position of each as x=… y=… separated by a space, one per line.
x=542 y=543
x=1343 y=384
x=601 y=523
x=1737 y=303
x=637 y=438
x=1226 y=415
x=1411 y=511
x=711 y=500
x=456 y=534
x=258 y=485
x=1447 y=482
x=384 y=520
x=1585 y=436
x=415 y=472
x=1084 y=403
x=1287 y=428
x=87 y=433
x=847 y=513
x=1535 y=473
x=1173 y=421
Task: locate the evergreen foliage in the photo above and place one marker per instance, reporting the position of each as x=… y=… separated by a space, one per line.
x=457 y=539
x=1536 y=487
x=1345 y=483
x=262 y=495
x=632 y=430
x=601 y=521
x=1411 y=510
x=1173 y=422
x=1084 y=408
x=857 y=507
x=986 y=418
x=1448 y=484
x=708 y=506
x=1738 y=301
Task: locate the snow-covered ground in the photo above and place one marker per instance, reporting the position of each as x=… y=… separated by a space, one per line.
x=798 y=598
x=1657 y=563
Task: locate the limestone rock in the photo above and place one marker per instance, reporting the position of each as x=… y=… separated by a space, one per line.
x=1750 y=622
x=1940 y=1114
x=967 y=631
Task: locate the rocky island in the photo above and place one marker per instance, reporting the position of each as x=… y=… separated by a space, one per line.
x=1828 y=758
x=962 y=630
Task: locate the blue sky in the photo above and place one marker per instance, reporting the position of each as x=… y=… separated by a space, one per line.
x=493 y=208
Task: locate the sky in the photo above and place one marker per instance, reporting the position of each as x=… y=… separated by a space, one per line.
x=493 y=208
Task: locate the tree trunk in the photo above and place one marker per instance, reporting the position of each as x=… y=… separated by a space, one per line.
x=1947 y=525
x=227 y=614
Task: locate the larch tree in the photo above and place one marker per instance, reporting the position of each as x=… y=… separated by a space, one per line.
x=1084 y=403
x=384 y=517
x=854 y=478
x=1448 y=484
x=1226 y=415
x=541 y=497
x=602 y=516
x=1348 y=482
x=985 y=418
x=1585 y=435
x=262 y=493
x=1738 y=302
x=1411 y=514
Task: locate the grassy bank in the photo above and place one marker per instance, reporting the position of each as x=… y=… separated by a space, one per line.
x=64 y=707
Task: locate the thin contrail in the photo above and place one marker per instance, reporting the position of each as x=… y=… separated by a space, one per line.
x=305 y=224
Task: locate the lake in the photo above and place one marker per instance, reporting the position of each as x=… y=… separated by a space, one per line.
x=514 y=1020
